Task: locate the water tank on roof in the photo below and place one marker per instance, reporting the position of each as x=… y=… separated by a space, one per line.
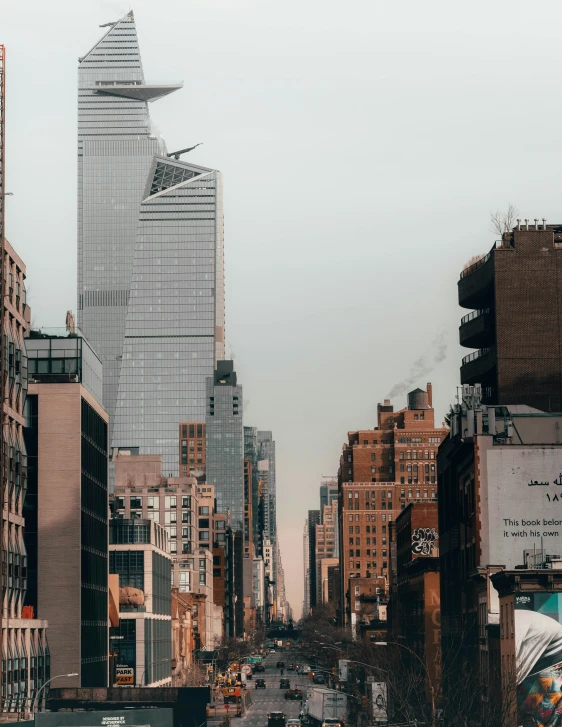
x=417 y=399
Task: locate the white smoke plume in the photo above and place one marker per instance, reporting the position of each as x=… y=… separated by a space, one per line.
x=436 y=353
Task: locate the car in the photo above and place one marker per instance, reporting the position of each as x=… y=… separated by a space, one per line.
x=259 y=667
x=291 y=667
x=272 y=651
x=293 y=723
x=260 y=684
x=280 y=664
x=276 y=719
x=319 y=679
x=284 y=684
x=293 y=694
x=305 y=669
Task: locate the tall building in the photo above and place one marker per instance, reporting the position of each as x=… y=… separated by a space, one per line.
x=313 y=520
x=515 y=323
x=225 y=442
x=266 y=468
x=150 y=254
x=381 y=471
x=142 y=643
x=66 y=436
x=23 y=635
x=328 y=493
x=326 y=546
x=306 y=570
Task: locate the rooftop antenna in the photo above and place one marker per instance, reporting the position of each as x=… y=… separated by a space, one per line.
x=177 y=154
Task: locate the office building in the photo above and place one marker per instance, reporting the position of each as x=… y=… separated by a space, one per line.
x=306 y=570
x=326 y=546
x=514 y=323
x=252 y=484
x=192 y=449
x=66 y=436
x=225 y=442
x=381 y=471
x=185 y=509
x=328 y=492
x=23 y=634
x=266 y=470
x=142 y=643
x=150 y=254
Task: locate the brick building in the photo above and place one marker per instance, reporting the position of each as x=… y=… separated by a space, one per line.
x=381 y=471
x=416 y=599
x=192 y=449
x=516 y=325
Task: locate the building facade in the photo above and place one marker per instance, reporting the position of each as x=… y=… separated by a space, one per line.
x=24 y=636
x=381 y=471
x=150 y=254
x=514 y=322
x=67 y=435
x=225 y=442
x=142 y=643
x=192 y=449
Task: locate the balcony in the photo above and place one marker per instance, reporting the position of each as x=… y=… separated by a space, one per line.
x=476 y=284
x=480 y=367
x=477 y=329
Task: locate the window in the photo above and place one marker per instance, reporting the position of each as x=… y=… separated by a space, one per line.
x=351 y=541
x=173 y=547
x=186 y=502
x=357 y=541
x=204 y=535
x=351 y=554
x=350 y=518
x=170 y=502
x=417 y=493
x=368 y=551
x=202 y=564
x=409 y=455
x=351 y=529
x=373 y=457
x=365 y=441
x=357 y=553
x=349 y=471
x=368 y=528
x=402 y=493
x=203 y=511
x=373 y=469
x=357 y=605
x=186 y=517
x=357 y=590
x=349 y=458
x=152 y=502
x=202 y=578
x=368 y=541
x=136 y=502
x=414 y=455
x=186 y=532
x=358 y=529
x=401 y=455
x=433 y=494
x=170 y=517
x=425 y=493
x=120 y=502
x=357 y=518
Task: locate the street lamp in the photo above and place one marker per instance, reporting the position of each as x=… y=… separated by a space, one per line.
x=424 y=665
x=59 y=676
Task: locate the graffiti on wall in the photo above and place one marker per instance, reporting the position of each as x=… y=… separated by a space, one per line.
x=424 y=541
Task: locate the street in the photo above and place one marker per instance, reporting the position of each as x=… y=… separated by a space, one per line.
x=272 y=698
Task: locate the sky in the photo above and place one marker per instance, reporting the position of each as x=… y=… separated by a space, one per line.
x=363 y=144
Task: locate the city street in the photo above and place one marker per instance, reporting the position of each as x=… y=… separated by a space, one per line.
x=272 y=698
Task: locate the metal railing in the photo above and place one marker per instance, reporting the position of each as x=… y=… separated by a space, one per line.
x=476 y=354
x=474 y=314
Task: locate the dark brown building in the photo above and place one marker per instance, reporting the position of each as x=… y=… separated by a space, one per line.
x=416 y=610
x=515 y=322
x=192 y=453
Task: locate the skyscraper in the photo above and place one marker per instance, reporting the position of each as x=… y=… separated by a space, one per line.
x=150 y=254
x=266 y=469
x=225 y=442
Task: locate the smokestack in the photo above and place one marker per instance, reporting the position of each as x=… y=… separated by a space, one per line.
x=536 y=223
x=430 y=395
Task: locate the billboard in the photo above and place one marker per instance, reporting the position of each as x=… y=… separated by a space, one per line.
x=538 y=657
x=521 y=502
x=115 y=718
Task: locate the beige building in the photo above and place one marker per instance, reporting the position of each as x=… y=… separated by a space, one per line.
x=326 y=547
x=67 y=441
x=185 y=509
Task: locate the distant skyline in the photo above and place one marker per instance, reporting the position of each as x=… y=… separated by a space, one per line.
x=363 y=147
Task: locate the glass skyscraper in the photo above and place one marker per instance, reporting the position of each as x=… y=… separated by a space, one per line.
x=150 y=254
x=225 y=442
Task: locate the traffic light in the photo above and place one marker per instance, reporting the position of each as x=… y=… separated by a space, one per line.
x=211 y=669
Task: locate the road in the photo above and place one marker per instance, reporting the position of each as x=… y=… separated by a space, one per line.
x=272 y=699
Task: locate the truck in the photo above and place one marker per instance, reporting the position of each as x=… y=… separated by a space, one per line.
x=325 y=708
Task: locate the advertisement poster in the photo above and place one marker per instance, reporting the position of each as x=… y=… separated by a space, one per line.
x=538 y=647
x=521 y=503
x=380 y=712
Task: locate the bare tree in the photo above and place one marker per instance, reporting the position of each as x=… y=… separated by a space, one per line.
x=502 y=222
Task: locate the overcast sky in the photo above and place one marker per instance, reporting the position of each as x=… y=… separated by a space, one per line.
x=363 y=145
